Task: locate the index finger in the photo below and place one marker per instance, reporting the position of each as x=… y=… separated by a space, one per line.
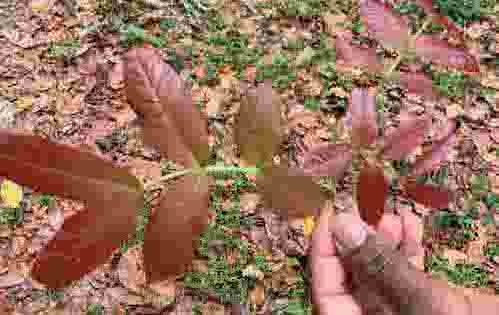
x=328 y=275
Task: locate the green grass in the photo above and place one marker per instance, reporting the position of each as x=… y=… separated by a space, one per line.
x=491 y=250
x=300 y=8
x=281 y=71
x=227 y=281
x=133 y=35
x=451 y=83
x=459 y=228
x=462 y=274
x=95 y=309
x=142 y=220
x=11 y=215
x=63 y=48
x=460 y=11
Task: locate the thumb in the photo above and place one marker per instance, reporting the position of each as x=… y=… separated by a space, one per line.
x=349 y=231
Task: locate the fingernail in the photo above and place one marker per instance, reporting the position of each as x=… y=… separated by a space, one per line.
x=349 y=231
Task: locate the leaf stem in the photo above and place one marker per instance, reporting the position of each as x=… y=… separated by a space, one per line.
x=209 y=170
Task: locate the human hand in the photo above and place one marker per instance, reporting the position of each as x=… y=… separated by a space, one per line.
x=343 y=281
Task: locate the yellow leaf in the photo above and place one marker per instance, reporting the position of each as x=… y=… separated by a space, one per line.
x=11 y=194
x=309 y=225
x=24 y=103
x=40 y=6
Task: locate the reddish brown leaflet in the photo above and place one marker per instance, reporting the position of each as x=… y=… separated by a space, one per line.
x=170 y=119
x=372 y=190
x=258 y=130
x=429 y=195
x=291 y=190
x=181 y=216
x=112 y=196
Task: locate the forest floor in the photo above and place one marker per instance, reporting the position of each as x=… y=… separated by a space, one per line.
x=61 y=77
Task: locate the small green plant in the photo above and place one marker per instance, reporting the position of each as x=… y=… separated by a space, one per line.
x=408 y=8
x=227 y=281
x=11 y=215
x=460 y=11
x=451 y=83
x=457 y=228
x=261 y=264
x=492 y=201
x=300 y=8
x=194 y=7
x=196 y=309
x=63 y=49
x=142 y=221
x=462 y=274
x=492 y=249
x=480 y=185
x=167 y=24
x=45 y=200
x=95 y=309
x=136 y=35
x=281 y=71
x=312 y=103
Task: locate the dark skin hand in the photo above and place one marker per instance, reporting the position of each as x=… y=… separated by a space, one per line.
x=334 y=291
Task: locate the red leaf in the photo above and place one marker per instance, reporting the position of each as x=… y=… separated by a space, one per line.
x=88 y=238
x=418 y=83
x=258 y=129
x=171 y=121
x=387 y=26
x=349 y=55
x=328 y=160
x=364 y=117
x=181 y=216
x=438 y=152
x=441 y=52
x=292 y=191
x=62 y=169
x=406 y=138
x=372 y=190
x=429 y=195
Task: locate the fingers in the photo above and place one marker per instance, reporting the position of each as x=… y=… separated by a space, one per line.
x=412 y=234
x=390 y=227
x=328 y=275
